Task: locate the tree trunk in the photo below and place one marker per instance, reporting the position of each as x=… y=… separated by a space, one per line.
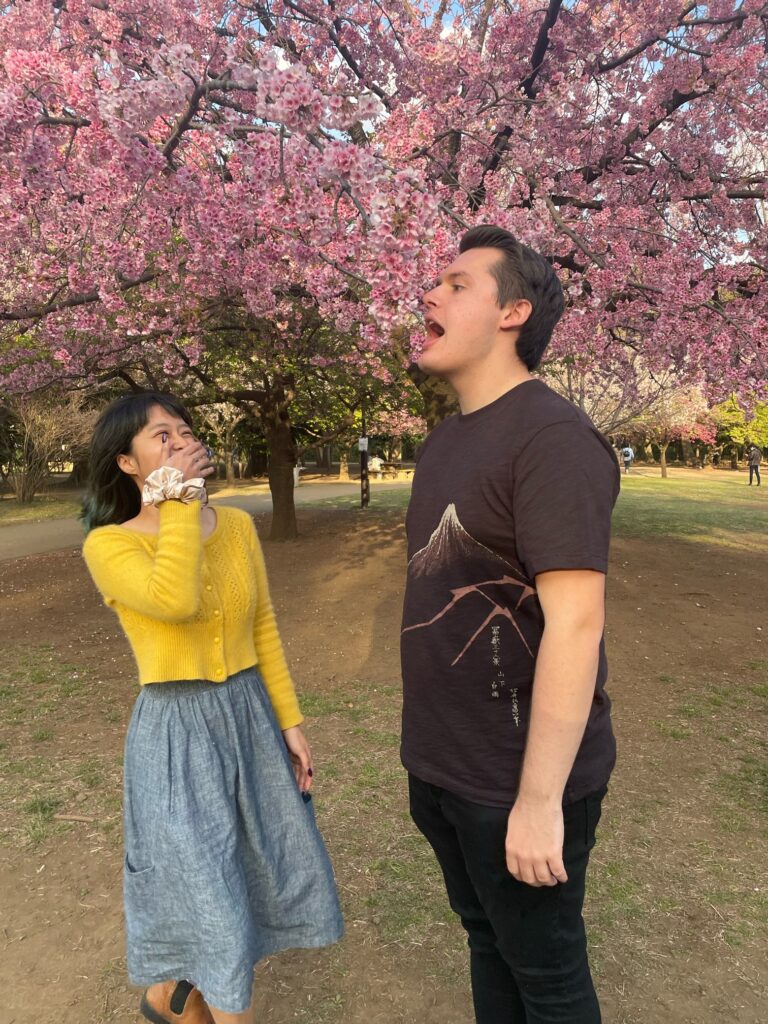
x=344 y=476
x=663 y=459
x=229 y=457
x=439 y=397
x=282 y=459
x=229 y=468
x=323 y=456
x=28 y=478
x=257 y=462
x=79 y=475
x=734 y=457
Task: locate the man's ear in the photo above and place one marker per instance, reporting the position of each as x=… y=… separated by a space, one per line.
x=515 y=314
x=128 y=464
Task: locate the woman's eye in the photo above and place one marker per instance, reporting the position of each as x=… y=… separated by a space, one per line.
x=457 y=287
x=164 y=437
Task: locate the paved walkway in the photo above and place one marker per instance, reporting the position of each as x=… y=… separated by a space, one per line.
x=21 y=539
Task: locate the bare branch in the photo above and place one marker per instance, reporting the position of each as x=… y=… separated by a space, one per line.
x=67 y=120
x=574 y=237
x=611 y=65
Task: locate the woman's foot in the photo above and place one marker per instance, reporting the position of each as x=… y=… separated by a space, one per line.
x=175 y=1002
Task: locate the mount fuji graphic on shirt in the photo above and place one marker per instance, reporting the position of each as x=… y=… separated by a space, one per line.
x=468 y=593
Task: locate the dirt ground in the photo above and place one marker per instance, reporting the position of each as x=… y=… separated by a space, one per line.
x=678 y=902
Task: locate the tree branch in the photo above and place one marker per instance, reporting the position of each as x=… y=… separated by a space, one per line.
x=611 y=65
x=38 y=312
x=501 y=140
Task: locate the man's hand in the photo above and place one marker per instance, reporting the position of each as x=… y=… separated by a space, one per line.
x=534 y=845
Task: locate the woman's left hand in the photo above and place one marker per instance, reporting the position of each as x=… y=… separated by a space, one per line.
x=301 y=756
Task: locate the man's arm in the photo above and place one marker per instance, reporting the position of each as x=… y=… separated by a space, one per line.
x=573 y=603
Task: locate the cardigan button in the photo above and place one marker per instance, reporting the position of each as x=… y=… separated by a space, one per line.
x=208 y=586
x=217 y=639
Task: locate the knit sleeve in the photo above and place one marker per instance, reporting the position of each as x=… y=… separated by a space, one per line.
x=163 y=584
x=269 y=649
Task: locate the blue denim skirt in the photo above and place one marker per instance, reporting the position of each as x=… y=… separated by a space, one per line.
x=224 y=864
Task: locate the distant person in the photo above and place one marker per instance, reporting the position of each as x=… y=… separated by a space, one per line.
x=507 y=734
x=224 y=864
x=755 y=457
x=375 y=464
x=628 y=457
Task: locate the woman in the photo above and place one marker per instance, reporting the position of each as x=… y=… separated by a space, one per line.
x=223 y=861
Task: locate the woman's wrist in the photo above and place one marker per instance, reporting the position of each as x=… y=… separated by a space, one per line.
x=168 y=484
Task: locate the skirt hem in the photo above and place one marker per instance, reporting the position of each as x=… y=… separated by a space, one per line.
x=187 y=973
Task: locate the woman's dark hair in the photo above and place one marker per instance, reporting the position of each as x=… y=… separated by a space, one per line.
x=522 y=273
x=112 y=496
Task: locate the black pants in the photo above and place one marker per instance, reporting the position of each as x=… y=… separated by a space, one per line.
x=528 y=947
x=756 y=471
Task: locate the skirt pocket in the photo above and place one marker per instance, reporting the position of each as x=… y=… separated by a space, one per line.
x=141 y=901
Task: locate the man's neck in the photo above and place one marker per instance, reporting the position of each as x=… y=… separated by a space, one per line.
x=480 y=390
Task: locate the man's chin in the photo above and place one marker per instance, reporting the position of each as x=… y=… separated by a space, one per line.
x=427 y=363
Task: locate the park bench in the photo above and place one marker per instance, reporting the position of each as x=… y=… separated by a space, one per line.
x=392 y=471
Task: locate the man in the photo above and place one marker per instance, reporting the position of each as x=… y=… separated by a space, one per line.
x=506 y=726
x=628 y=455
x=755 y=457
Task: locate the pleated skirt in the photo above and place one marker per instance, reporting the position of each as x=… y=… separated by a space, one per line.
x=224 y=863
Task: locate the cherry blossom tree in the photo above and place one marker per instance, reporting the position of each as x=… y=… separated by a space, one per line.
x=161 y=158
x=736 y=431
x=681 y=415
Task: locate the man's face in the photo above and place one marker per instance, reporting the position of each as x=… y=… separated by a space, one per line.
x=462 y=315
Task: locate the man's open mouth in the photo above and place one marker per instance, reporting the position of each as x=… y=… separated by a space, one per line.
x=434 y=329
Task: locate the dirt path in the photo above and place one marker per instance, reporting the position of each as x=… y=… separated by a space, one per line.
x=17 y=540
x=678 y=910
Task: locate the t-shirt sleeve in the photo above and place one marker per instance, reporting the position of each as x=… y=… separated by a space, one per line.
x=564 y=487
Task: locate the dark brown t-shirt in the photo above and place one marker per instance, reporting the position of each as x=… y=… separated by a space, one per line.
x=522 y=486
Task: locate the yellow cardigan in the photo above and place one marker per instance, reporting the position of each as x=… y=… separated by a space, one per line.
x=194 y=608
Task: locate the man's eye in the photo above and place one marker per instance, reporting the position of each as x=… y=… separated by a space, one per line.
x=164 y=437
x=457 y=287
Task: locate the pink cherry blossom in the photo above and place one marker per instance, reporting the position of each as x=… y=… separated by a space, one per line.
x=157 y=159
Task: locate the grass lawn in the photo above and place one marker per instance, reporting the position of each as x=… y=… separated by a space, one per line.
x=711 y=507
x=45 y=506
x=677 y=908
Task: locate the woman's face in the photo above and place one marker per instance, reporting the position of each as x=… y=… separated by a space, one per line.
x=163 y=434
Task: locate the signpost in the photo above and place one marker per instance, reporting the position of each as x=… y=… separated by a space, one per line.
x=365 y=487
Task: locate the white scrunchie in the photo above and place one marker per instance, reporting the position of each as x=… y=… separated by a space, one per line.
x=168 y=483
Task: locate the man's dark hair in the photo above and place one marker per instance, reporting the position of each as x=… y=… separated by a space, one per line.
x=522 y=273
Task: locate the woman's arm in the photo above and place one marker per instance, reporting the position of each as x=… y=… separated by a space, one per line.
x=166 y=586
x=269 y=649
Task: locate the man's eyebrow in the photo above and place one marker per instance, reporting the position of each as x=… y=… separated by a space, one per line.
x=453 y=275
